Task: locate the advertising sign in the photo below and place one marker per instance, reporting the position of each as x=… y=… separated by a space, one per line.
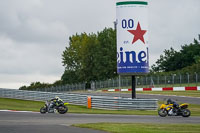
x=132 y=38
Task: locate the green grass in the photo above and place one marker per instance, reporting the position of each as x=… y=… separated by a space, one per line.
x=195 y=109
x=142 y=127
x=26 y=105
x=16 y=104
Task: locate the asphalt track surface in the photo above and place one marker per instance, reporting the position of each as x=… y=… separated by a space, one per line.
x=179 y=99
x=21 y=122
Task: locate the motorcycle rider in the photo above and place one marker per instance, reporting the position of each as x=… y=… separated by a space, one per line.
x=54 y=102
x=175 y=105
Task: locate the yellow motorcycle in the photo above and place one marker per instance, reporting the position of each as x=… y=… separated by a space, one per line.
x=174 y=110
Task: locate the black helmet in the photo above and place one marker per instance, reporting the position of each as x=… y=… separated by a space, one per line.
x=169 y=101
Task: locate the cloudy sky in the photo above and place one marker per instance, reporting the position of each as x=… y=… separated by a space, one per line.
x=34 y=33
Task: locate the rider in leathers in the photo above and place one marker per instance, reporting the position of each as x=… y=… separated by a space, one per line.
x=175 y=105
x=55 y=102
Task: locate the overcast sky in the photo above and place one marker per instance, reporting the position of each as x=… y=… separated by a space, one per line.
x=34 y=33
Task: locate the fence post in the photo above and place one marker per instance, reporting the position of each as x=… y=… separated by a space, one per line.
x=173 y=78
x=146 y=81
x=188 y=75
x=196 y=78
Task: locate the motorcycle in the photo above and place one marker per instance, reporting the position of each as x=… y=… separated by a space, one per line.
x=171 y=110
x=60 y=108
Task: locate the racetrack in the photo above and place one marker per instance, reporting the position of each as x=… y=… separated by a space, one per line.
x=15 y=122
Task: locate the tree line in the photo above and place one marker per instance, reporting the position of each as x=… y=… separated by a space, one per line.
x=187 y=60
x=92 y=57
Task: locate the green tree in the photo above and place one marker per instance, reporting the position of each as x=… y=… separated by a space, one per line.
x=190 y=53
x=23 y=87
x=106 y=57
x=35 y=85
x=90 y=57
x=166 y=61
x=173 y=60
x=78 y=58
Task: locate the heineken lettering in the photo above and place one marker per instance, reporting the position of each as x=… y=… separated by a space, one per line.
x=132 y=57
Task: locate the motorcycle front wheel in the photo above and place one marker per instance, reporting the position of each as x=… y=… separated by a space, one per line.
x=186 y=112
x=62 y=109
x=43 y=110
x=162 y=112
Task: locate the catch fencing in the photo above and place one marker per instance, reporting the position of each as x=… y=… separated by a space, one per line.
x=150 y=81
x=101 y=102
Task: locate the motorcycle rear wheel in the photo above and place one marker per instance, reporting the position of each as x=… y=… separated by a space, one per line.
x=186 y=112
x=162 y=112
x=43 y=110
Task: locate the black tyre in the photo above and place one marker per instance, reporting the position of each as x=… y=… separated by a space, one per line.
x=162 y=112
x=186 y=113
x=43 y=110
x=62 y=109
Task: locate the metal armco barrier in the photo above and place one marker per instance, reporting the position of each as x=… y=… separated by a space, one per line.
x=118 y=103
x=76 y=99
x=101 y=102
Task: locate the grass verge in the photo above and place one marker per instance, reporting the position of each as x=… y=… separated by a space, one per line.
x=26 y=105
x=16 y=104
x=142 y=127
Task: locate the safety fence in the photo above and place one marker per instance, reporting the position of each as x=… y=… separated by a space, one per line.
x=101 y=102
x=148 y=81
x=173 y=80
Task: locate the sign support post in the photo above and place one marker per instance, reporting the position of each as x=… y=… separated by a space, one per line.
x=133 y=87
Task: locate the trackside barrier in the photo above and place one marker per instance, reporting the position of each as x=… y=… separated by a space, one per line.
x=100 y=102
x=118 y=103
x=76 y=99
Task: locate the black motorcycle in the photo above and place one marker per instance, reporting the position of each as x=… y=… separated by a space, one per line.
x=51 y=107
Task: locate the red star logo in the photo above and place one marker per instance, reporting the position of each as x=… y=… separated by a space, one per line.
x=138 y=34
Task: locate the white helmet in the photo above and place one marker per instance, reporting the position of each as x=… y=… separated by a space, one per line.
x=57 y=98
